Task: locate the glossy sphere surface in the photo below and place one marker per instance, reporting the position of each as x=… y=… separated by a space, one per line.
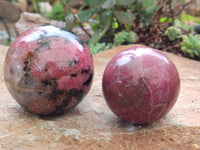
x=48 y=70
x=140 y=85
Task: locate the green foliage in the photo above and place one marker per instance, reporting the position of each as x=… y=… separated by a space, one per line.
x=191 y=45
x=58 y=12
x=108 y=4
x=165 y=19
x=111 y=15
x=124 y=17
x=124 y=2
x=131 y=38
x=85 y=15
x=173 y=33
x=146 y=10
x=93 y=3
x=124 y=37
x=183 y=26
x=115 y=14
x=186 y=17
x=99 y=47
x=102 y=28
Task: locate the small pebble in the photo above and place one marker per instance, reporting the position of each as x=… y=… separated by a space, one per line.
x=76 y=138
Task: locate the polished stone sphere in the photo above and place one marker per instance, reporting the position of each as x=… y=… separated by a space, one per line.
x=48 y=70
x=140 y=85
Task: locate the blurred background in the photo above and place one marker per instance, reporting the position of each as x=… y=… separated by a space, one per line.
x=167 y=25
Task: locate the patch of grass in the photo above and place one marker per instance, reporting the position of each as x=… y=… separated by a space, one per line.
x=185 y=17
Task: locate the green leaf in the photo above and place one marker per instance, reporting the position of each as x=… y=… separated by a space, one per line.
x=106 y=18
x=95 y=26
x=93 y=3
x=108 y=4
x=196 y=53
x=85 y=15
x=115 y=25
x=124 y=37
x=97 y=47
x=151 y=9
x=124 y=2
x=120 y=38
x=98 y=35
x=124 y=17
x=165 y=19
x=148 y=3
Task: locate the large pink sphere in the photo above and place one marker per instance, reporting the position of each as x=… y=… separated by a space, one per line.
x=48 y=70
x=140 y=85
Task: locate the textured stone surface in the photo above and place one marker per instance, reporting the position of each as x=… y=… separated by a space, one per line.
x=29 y=20
x=9 y=11
x=140 y=85
x=91 y=125
x=48 y=70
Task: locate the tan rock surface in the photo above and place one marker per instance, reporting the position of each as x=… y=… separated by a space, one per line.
x=29 y=20
x=91 y=125
x=9 y=11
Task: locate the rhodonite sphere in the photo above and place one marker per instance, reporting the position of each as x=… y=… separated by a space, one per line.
x=140 y=85
x=48 y=70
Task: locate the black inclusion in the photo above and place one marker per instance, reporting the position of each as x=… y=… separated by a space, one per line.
x=86 y=70
x=87 y=82
x=77 y=94
x=43 y=42
x=74 y=75
x=72 y=63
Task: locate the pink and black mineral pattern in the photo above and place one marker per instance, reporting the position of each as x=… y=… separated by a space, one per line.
x=48 y=70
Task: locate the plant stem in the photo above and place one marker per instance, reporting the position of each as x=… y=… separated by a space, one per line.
x=184 y=7
x=6 y=27
x=98 y=35
x=81 y=25
x=35 y=6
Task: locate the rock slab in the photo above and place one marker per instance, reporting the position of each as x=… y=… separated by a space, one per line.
x=91 y=125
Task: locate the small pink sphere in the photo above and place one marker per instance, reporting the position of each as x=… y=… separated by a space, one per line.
x=48 y=70
x=140 y=85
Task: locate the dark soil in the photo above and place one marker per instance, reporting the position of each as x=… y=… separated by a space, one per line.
x=154 y=37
